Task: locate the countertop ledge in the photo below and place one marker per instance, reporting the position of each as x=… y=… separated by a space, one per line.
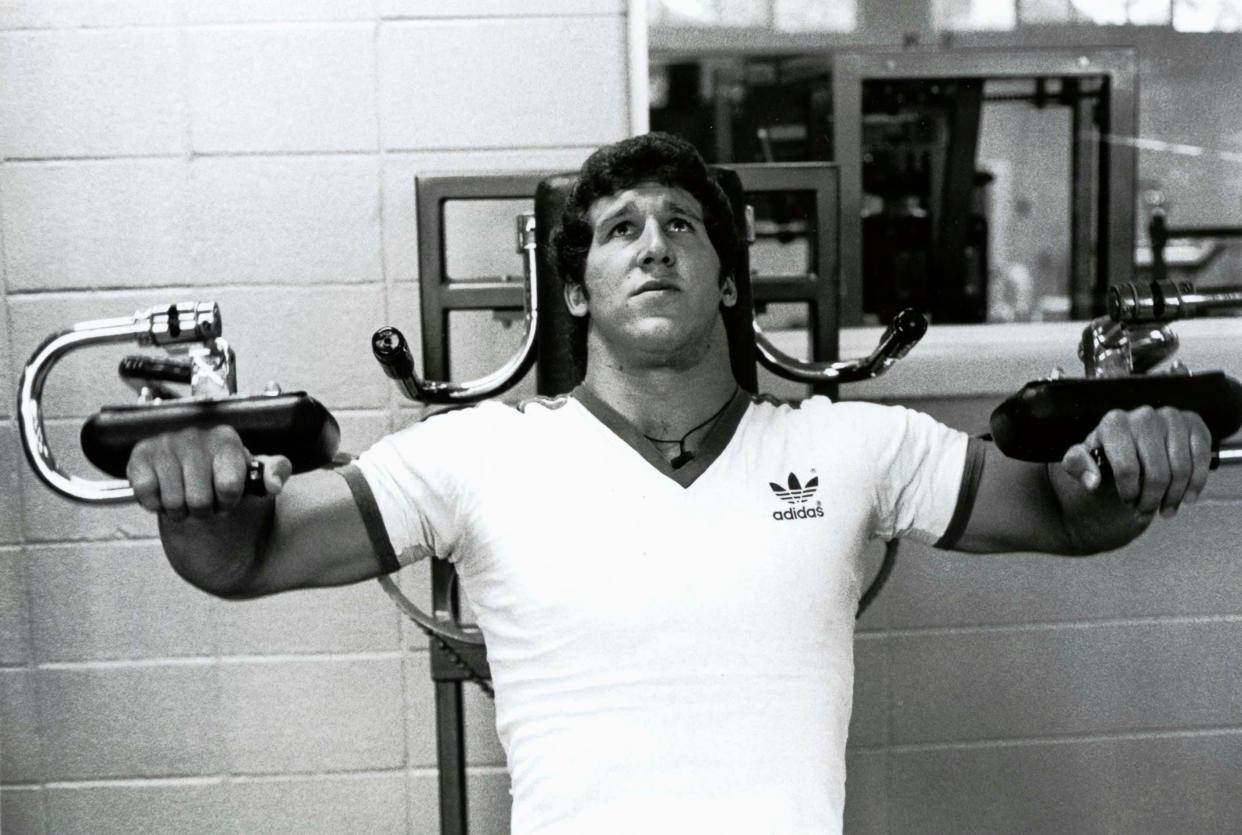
x=989 y=360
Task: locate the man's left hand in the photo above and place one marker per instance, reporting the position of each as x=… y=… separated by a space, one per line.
x=1159 y=458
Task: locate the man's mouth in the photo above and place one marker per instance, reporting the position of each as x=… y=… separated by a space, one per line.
x=655 y=285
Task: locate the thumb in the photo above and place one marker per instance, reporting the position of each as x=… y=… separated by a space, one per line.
x=1080 y=464
x=276 y=471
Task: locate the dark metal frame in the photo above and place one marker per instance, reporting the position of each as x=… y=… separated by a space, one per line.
x=1113 y=223
x=1161 y=233
x=820 y=289
x=439 y=297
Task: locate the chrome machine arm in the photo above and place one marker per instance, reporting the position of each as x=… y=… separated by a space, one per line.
x=292 y=424
x=392 y=350
x=1162 y=301
x=906 y=329
x=440 y=624
x=902 y=334
x=179 y=324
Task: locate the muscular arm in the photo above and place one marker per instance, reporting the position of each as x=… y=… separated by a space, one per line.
x=1157 y=460
x=308 y=532
x=310 y=535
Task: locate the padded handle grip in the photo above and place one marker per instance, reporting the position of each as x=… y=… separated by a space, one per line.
x=294 y=425
x=1047 y=417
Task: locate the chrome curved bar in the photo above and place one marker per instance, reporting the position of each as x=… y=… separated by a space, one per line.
x=1114 y=349
x=392 y=350
x=180 y=323
x=1229 y=454
x=1164 y=301
x=444 y=625
x=906 y=329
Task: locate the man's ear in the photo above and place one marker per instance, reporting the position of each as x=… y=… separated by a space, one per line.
x=576 y=299
x=728 y=291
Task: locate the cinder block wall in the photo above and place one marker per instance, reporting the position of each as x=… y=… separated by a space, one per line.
x=1030 y=693
x=262 y=155
x=1027 y=693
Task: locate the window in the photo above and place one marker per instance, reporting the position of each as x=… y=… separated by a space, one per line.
x=771 y=15
x=962 y=15
x=1207 y=15
x=705 y=13
x=814 y=16
x=1005 y=15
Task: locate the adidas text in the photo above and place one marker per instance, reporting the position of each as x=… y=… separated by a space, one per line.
x=799 y=513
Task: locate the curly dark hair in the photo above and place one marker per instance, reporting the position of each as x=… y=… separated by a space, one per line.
x=650 y=158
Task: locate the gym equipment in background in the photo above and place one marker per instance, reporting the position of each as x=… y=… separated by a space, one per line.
x=197 y=358
x=1120 y=353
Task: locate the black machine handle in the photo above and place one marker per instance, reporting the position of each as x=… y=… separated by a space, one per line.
x=144 y=368
x=292 y=424
x=1047 y=417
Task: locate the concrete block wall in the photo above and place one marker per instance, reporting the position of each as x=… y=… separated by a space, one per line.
x=1031 y=693
x=261 y=155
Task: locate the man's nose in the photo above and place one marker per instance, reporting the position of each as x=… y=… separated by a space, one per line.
x=656 y=249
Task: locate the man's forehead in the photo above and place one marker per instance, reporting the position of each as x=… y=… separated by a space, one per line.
x=644 y=196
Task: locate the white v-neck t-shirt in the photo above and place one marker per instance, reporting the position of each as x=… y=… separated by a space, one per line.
x=671 y=650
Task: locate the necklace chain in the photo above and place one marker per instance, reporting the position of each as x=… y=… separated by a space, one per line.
x=684 y=457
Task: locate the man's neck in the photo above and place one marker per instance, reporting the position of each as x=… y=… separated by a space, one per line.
x=662 y=401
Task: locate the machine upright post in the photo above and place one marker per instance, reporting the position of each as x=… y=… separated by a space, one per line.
x=451 y=753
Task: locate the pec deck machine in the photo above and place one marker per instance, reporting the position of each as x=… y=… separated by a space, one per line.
x=459 y=655
x=193 y=382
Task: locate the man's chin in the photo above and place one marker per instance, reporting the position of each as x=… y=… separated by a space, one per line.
x=663 y=340
x=657 y=340
x=658 y=332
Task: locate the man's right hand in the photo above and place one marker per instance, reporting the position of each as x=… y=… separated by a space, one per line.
x=236 y=546
x=197 y=472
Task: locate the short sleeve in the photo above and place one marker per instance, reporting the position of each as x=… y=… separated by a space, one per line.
x=406 y=487
x=922 y=475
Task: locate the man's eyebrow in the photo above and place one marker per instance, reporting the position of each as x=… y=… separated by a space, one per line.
x=630 y=206
x=625 y=208
x=683 y=210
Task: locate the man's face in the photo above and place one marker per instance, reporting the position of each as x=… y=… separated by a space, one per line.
x=652 y=276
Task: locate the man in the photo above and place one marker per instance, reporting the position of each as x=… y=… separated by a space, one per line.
x=665 y=569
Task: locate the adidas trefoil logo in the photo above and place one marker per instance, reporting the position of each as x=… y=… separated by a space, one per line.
x=796 y=495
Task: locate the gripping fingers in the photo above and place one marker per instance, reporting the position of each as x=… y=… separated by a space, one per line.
x=1115 y=438
x=1180 y=460
x=167 y=465
x=197 y=476
x=1200 y=455
x=229 y=462
x=1151 y=439
x=141 y=475
x=193 y=472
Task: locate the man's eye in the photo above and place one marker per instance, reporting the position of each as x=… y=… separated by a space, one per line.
x=621 y=229
x=680 y=224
